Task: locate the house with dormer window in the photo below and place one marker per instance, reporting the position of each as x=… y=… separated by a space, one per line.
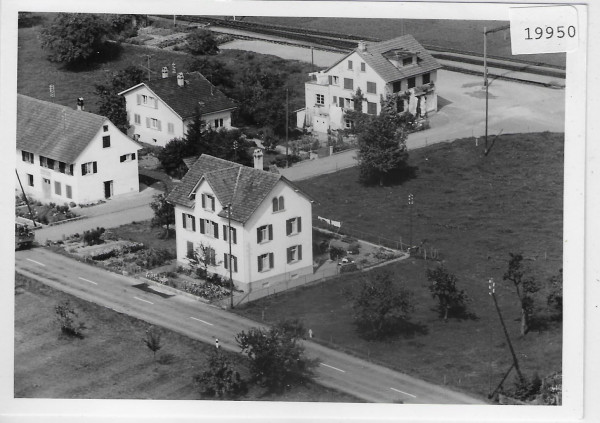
x=270 y=231
x=398 y=66
x=66 y=155
x=161 y=109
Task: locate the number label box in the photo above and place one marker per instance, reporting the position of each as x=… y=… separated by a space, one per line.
x=544 y=29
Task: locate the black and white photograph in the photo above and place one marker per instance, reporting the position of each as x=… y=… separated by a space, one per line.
x=303 y=210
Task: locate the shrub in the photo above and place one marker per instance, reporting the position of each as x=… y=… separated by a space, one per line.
x=336 y=252
x=221 y=379
x=67 y=318
x=348 y=267
x=93 y=237
x=354 y=248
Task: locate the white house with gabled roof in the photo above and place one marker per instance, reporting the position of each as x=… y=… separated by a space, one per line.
x=271 y=222
x=397 y=66
x=66 y=155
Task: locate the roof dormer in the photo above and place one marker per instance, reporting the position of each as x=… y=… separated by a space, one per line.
x=401 y=58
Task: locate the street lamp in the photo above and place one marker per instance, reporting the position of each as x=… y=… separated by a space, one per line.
x=228 y=208
x=411 y=201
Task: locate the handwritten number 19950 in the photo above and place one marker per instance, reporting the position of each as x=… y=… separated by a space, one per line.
x=550 y=32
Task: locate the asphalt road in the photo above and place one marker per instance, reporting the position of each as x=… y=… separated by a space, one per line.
x=205 y=322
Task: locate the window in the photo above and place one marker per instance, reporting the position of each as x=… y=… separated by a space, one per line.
x=170 y=128
x=233 y=262
x=278 y=204
x=29 y=180
x=293 y=226
x=90 y=167
x=105 y=128
x=233 y=233
x=127 y=157
x=189 y=250
x=320 y=99
x=144 y=99
x=349 y=123
x=412 y=82
x=264 y=233
x=211 y=256
x=210 y=228
x=363 y=67
x=27 y=157
x=341 y=102
x=208 y=202
x=349 y=64
x=371 y=108
x=218 y=123
x=155 y=124
x=426 y=78
x=397 y=86
x=294 y=254
x=349 y=103
x=137 y=119
x=407 y=61
x=265 y=262
x=371 y=87
x=188 y=221
x=335 y=99
x=57 y=188
x=348 y=84
x=69 y=191
x=106 y=141
x=333 y=80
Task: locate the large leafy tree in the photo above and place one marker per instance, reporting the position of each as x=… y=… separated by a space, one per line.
x=73 y=38
x=201 y=42
x=555 y=296
x=276 y=355
x=525 y=286
x=221 y=379
x=452 y=302
x=214 y=70
x=380 y=306
x=164 y=212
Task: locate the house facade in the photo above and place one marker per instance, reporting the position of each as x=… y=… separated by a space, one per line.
x=160 y=110
x=398 y=67
x=271 y=222
x=66 y=155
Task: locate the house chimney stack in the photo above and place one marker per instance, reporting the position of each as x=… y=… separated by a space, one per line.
x=180 y=79
x=165 y=72
x=174 y=68
x=258 y=159
x=362 y=46
x=80 y=105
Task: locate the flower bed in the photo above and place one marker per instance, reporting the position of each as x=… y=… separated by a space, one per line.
x=45 y=213
x=204 y=290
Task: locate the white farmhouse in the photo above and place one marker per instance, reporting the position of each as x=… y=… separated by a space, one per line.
x=66 y=155
x=161 y=109
x=271 y=222
x=397 y=66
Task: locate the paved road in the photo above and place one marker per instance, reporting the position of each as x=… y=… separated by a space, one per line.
x=205 y=322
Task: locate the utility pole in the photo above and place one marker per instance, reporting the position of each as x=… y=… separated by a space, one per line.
x=411 y=201
x=286 y=130
x=26 y=200
x=229 y=257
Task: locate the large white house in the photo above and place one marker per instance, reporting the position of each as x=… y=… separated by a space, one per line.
x=400 y=66
x=66 y=155
x=271 y=222
x=161 y=109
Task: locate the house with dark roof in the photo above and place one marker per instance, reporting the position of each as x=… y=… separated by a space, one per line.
x=271 y=222
x=161 y=109
x=66 y=155
x=398 y=67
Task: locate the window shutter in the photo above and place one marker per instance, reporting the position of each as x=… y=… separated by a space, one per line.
x=270 y=232
x=202 y=229
x=193 y=224
x=183 y=220
x=158 y=125
x=260 y=264
x=132 y=156
x=233 y=235
x=226 y=261
x=122 y=158
x=281 y=205
x=271 y=260
x=330 y=79
x=147 y=122
x=156 y=103
x=299 y=252
x=212 y=202
x=71 y=169
x=299 y=224
x=289 y=254
x=139 y=99
x=275 y=204
x=224 y=232
x=258 y=235
x=203 y=201
x=95 y=166
x=83 y=169
x=288 y=226
x=234 y=258
x=216 y=225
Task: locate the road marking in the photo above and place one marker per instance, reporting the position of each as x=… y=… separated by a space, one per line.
x=37 y=262
x=405 y=393
x=334 y=368
x=87 y=280
x=141 y=299
x=206 y=323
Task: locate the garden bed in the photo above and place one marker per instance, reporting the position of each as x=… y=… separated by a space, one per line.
x=45 y=213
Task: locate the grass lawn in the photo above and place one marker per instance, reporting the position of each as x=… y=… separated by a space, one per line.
x=475 y=210
x=144 y=232
x=111 y=361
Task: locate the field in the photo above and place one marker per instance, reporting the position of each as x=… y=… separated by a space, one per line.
x=48 y=365
x=453 y=34
x=474 y=210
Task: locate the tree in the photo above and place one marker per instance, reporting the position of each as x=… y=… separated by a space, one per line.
x=214 y=70
x=380 y=307
x=67 y=318
x=172 y=155
x=276 y=355
x=201 y=42
x=164 y=212
x=451 y=300
x=153 y=340
x=555 y=297
x=525 y=287
x=202 y=257
x=73 y=38
x=221 y=379
x=382 y=152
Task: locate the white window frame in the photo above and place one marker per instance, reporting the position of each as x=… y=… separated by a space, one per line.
x=233 y=262
x=137 y=119
x=293 y=224
x=320 y=100
x=350 y=65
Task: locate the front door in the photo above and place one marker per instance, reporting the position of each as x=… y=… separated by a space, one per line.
x=108 y=189
x=46 y=188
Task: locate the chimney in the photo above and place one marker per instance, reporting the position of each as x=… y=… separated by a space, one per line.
x=258 y=159
x=362 y=46
x=174 y=68
x=180 y=79
x=165 y=72
x=80 y=105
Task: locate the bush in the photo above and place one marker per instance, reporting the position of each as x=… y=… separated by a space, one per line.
x=281 y=161
x=93 y=237
x=221 y=379
x=354 y=248
x=336 y=252
x=348 y=267
x=67 y=318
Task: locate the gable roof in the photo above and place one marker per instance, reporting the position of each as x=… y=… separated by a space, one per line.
x=374 y=56
x=197 y=91
x=54 y=131
x=244 y=187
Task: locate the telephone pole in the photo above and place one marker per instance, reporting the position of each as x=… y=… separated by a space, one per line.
x=286 y=130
